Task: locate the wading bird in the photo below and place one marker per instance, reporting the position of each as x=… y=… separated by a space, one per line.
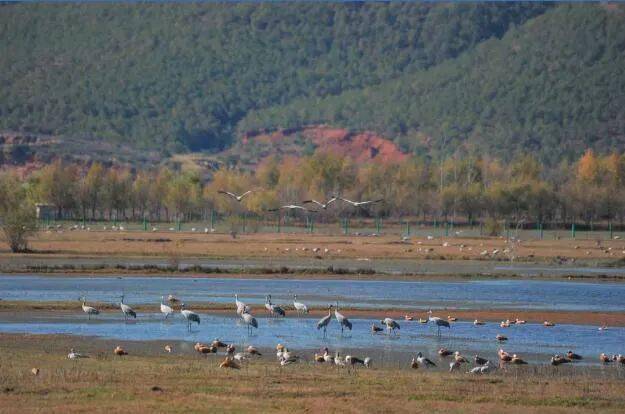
x=126 y=310
x=166 y=309
x=321 y=205
x=299 y=306
x=234 y=196
x=391 y=325
x=241 y=307
x=323 y=322
x=438 y=321
x=250 y=321
x=360 y=203
x=189 y=316
x=89 y=310
x=274 y=310
x=341 y=319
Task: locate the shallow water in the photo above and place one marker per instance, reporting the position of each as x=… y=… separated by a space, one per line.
x=489 y=294
x=532 y=341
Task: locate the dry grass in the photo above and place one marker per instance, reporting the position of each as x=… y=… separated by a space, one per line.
x=190 y=383
x=274 y=245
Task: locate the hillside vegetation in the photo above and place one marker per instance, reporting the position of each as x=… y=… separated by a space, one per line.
x=553 y=87
x=178 y=77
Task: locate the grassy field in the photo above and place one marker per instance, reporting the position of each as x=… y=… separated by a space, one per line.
x=149 y=380
x=187 y=244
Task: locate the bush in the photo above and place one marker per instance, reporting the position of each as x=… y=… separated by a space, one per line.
x=492 y=227
x=18 y=219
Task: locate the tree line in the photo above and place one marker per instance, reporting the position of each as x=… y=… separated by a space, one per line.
x=465 y=190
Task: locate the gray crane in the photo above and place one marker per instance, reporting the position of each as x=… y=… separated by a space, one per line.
x=391 y=325
x=89 y=310
x=342 y=320
x=325 y=321
x=438 y=321
x=250 y=321
x=235 y=196
x=190 y=316
x=126 y=310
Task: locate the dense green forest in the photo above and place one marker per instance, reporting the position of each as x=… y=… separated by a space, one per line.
x=552 y=87
x=180 y=77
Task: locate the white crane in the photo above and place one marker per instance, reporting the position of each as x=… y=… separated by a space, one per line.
x=292 y=207
x=235 y=196
x=75 y=355
x=126 y=310
x=241 y=307
x=189 y=316
x=361 y=203
x=274 y=310
x=166 y=309
x=299 y=306
x=341 y=319
x=391 y=325
x=324 y=206
x=438 y=321
x=325 y=321
x=250 y=321
x=89 y=310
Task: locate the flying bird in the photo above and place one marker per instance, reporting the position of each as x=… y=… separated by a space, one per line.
x=292 y=207
x=324 y=206
x=234 y=196
x=360 y=203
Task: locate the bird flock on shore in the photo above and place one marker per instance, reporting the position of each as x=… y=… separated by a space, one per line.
x=390 y=325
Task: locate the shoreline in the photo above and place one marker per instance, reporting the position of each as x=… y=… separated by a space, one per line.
x=589 y=318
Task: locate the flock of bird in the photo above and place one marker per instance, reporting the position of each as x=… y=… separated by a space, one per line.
x=291 y=207
x=285 y=357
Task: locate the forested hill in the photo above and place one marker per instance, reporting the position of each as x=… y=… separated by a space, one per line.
x=551 y=87
x=176 y=77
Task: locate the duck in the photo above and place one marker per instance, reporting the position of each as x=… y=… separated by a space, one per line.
x=559 y=359
x=424 y=361
x=375 y=329
x=218 y=344
x=477 y=322
x=604 y=358
x=459 y=358
x=547 y=323
x=327 y=357
x=229 y=362
x=253 y=351
x=421 y=320
x=444 y=352
x=504 y=356
x=319 y=358
x=505 y=324
x=408 y=318
x=169 y=348
x=75 y=355
x=119 y=351
x=573 y=356
x=519 y=321
x=619 y=358
x=414 y=364
x=501 y=338
x=479 y=360
x=451 y=318
x=517 y=360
